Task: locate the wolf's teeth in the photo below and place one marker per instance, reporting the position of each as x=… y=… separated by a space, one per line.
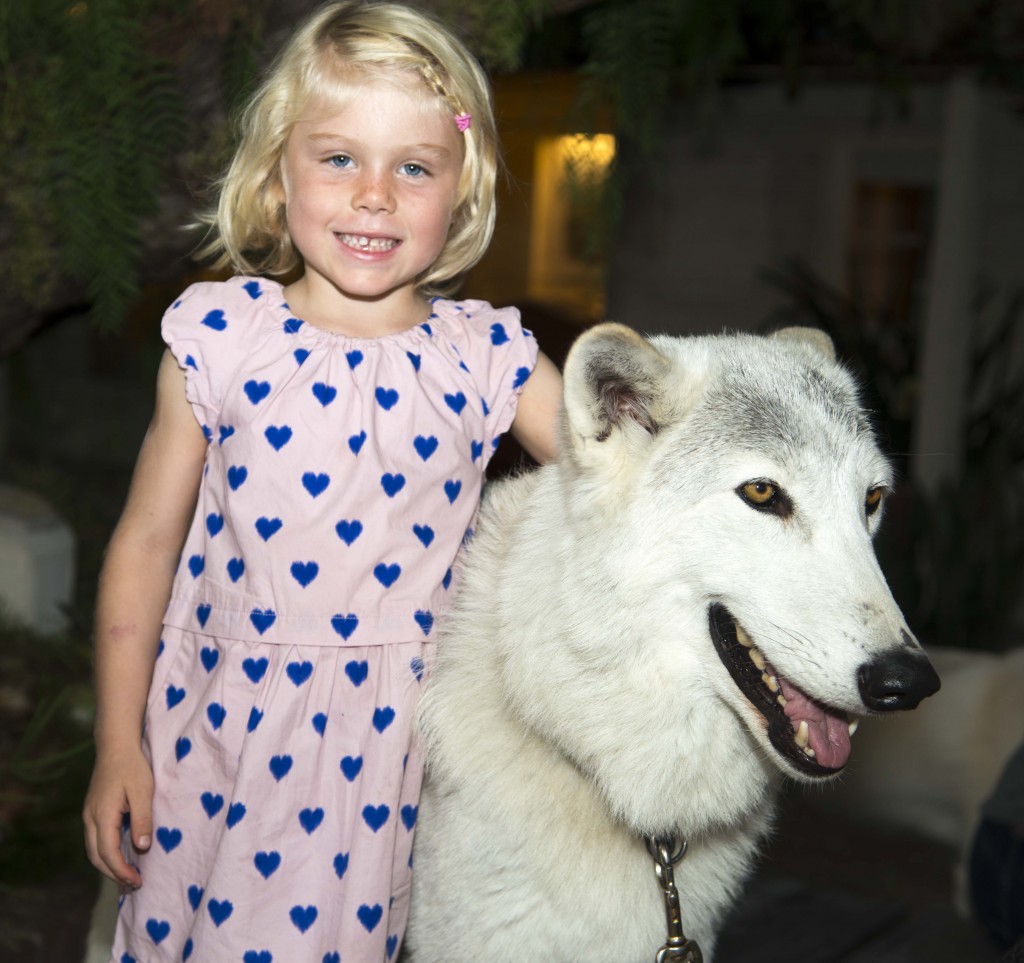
x=742 y=637
x=802 y=736
x=782 y=701
x=770 y=681
x=757 y=659
x=809 y=752
x=854 y=725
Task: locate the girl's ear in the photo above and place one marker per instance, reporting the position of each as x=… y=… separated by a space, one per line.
x=615 y=390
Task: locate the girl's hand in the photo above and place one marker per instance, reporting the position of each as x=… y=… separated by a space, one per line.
x=121 y=784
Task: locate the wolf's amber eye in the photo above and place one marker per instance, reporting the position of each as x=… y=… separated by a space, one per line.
x=766 y=496
x=872 y=501
x=759 y=493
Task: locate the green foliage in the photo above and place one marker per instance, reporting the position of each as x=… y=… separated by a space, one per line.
x=45 y=751
x=90 y=112
x=495 y=29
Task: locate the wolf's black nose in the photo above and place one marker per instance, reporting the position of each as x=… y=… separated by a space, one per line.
x=898 y=681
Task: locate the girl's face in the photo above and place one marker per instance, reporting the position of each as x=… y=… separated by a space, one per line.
x=369 y=189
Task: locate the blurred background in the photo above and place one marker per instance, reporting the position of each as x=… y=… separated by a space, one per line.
x=682 y=166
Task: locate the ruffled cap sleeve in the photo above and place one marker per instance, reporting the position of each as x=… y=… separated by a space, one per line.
x=209 y=330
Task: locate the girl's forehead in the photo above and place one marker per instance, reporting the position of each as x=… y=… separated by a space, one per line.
x=339 y=91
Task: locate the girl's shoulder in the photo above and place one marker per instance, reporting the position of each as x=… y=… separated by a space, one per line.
x=469 y=318
x=214 y=326
x=239 y=296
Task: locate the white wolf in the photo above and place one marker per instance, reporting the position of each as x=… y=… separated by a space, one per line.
x=650 y=633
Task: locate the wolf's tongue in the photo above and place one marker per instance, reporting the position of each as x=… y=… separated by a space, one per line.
x=827 y=734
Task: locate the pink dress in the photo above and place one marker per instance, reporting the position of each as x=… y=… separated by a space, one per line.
x=342 y=476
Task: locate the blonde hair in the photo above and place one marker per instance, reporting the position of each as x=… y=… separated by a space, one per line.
x=247 y=229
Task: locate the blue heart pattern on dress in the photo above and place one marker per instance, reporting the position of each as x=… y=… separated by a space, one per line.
x=424 y=533
x=315 y=483
x=195 y=897
x=158 y=930
x=255 y=668
x=267 y=527
x=219 y=910
x=209 y=658
x=349 y=530
x=174 y=696
x=280 y=766
x=303 y=917
x=214 y=523
x=255 y=717
x=392 y=484
x=351 y=766
x=278 y=436
x=376 y=816
x=224 y=433
x=456 y=402
x=310 y=819
x=304 y=572
x=267 y=863
x=237 y=474
x=319 y=723
x=452 y=487
x=425 y=447
x=425 y=620
x=387 y=398
x=182 y=748
x=383 y=717
x=215 y=320
x=299 y=672
x=498 y=335
x=344 y=625
x=196 y=564
x=370 y=916
x=236 y=813
x=356 y=442
x=236 y=569
x=324 y=393
x=387 y=575
x=256 y=391
x=409 y=814
x=168 y=838
x=262 y=619
x=340 y=865
x=216 y=713
x=391 y=944
x=357 y=672
x=257 y=956
x=212 y=803
x=203 y=613
x=354 y=358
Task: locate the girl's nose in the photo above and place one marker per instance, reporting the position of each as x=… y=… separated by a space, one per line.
x=374 y=194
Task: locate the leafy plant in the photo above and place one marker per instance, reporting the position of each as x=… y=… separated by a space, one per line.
x=90 y=112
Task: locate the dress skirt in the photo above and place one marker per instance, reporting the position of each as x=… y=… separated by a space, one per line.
x=286 y=794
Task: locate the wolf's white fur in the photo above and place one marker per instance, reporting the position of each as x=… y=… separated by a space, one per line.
x=577 y=702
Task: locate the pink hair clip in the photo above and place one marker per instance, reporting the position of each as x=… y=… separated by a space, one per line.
x=462 y=121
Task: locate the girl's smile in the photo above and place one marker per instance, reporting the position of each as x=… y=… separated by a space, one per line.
x=369 y=189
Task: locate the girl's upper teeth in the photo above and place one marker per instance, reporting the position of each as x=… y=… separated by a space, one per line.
x=368 y=243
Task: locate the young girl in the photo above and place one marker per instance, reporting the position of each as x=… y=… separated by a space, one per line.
x=323 y=446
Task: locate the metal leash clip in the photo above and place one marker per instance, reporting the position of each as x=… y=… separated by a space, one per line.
x=677 y=949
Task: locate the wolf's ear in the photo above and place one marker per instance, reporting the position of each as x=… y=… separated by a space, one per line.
x=614 y=381
x=813 y=338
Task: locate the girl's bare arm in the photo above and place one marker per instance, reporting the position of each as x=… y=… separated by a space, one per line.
x=536 y=423
x=135 y=584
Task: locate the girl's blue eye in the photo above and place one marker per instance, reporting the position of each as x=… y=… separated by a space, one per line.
x=414 y=170
x=339 y=160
